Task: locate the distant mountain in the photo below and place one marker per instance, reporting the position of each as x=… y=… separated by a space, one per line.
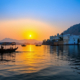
x=75 y=30
x=24 y=41
x=9 y=40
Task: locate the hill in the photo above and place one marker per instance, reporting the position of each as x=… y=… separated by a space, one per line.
x=75 y=30
x=24 y=41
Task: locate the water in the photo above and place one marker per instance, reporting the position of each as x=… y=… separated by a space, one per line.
x=41 y=63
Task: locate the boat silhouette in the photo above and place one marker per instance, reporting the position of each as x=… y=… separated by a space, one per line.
x=38 y=45
x=23 y=45
x=11 y=49
x=8 y=50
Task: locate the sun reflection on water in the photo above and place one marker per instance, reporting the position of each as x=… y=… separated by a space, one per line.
x=45 y=60
x=30 y=47
x=33 y=58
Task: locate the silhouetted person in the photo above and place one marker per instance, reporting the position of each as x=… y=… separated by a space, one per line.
x=2 y=47
x=11 y=47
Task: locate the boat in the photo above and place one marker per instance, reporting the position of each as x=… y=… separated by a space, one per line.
x=8 y=50
x=23 y=45
x=38 y=45
x=11 y=49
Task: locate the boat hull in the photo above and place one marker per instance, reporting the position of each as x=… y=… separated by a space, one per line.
x=38 y=45
x=23 y=45
x=8 y=50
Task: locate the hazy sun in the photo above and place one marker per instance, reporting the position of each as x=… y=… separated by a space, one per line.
x=29 y=35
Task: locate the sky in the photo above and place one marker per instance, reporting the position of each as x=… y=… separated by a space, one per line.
x=39 y=18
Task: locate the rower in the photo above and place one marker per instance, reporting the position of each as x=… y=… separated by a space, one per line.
x=2 y=47
x=11 y=47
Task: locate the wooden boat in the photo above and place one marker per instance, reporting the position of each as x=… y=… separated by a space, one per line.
x=11 y=49
x=8 y=50
x=23 y=45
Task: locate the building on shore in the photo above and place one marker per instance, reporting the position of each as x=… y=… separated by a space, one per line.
x=62 y=39
x=71 y=39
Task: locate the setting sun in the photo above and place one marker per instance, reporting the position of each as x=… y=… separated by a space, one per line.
x=29 y=35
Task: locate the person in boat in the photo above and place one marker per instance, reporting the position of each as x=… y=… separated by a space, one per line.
x=2 y=47
x=11 y=47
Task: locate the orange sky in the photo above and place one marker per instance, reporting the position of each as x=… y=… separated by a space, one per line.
x=39 y=18
x=23 y=28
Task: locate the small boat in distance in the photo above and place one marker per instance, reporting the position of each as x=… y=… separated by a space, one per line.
x=37 y=45
x=23 y=45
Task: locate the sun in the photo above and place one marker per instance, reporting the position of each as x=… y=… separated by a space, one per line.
x=30 y=35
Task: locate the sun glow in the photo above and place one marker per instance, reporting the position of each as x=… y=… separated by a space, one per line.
x=27 y=29
x=30 y=35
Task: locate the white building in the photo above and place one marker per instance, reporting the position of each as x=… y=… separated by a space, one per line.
x=70 y=39
x=54 y=37
x=66 y=38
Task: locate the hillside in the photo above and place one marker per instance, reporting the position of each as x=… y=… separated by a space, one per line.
x=75 y=30
x=29 y=41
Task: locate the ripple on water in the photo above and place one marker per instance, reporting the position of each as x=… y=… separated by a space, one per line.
x=41 y=63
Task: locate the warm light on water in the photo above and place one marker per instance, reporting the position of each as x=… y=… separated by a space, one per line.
x=40 y=61
x=33 y=58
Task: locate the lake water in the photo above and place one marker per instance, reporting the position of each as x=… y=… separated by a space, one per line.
x=41 y=63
